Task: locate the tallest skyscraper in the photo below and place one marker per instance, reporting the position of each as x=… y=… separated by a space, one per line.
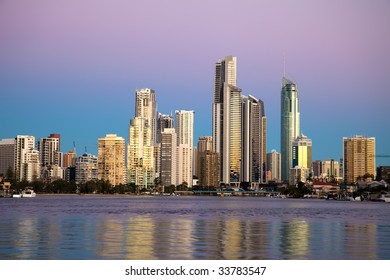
x=227 y=120
x=290 y=123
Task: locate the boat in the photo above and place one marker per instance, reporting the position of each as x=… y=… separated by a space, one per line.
x=385 y=197
x=16 y=195
x=28 y=193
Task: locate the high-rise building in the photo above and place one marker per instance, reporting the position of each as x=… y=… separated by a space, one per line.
x=49 y=151
x=7 y=156
x=168 y=157
x=274 y=165
x=57 y=136
x=185 y=127
x=163 y=121
x=227 y=120
x=302 y=152
x=185 y=143
x=145 y=107
x=111 y=159
x=208 y=163
x=69 y=159
x=140 y=153
x=23 y=144
x=358 y=157
x=184 y=164
x=32 y=167
x=205 y=143
x=290 y=123
x=253 y=162
x=328 y=169
x=86 y=168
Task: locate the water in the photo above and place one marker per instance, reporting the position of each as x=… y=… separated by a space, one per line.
x=117 y=227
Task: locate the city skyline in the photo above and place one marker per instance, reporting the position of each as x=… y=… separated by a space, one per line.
x=57 y=79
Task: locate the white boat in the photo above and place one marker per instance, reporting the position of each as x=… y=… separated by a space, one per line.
x=28 y=193
x=384 y=197
x=17 y=195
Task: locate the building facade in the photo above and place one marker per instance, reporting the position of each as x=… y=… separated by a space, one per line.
x=7 y=156
x=358 y=157
x=274 y=165
x=86 y=168
x=253 y=138
x=168 y=157
x=185 y=146
x=302 y=152
x=145 y=107
x=163 y=121
x=24 y=144
x=69 y=159
x=290 y=123
x=140 y=154
x=227 y=120
x=111 y=159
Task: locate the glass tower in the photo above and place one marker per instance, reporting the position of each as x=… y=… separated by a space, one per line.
x=290 y=123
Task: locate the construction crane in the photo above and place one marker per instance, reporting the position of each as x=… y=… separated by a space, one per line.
x=383 y=156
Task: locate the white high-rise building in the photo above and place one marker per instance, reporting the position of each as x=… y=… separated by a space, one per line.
x=146 y=108
x=140 y=153
x=24 y=144
x=49 y=151
x=185 y=143
x=32 y=167
x=86 y=168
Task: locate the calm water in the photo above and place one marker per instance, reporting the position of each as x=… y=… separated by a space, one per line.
x=83 y=227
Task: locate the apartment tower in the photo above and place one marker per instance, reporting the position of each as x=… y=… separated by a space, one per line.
x=185 y=146
x=111 y=159
x=359 y=157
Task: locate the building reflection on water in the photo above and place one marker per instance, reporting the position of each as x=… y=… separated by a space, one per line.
x=148 y=237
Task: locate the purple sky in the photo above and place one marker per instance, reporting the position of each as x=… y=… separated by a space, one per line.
x=72 y=67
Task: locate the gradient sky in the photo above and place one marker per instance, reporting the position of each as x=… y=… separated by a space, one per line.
x=72 y=67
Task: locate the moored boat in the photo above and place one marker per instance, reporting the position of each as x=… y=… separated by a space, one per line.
x=28 y=193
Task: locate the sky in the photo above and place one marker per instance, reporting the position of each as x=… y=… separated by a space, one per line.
x=72 y=67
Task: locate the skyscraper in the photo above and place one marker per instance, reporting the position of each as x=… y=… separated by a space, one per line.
x=227 y=120
x=140 y=153
x=145 y=107
x=359 y=157
x=185 y=143
x=290 y=123
x=163 y=121
x=111 y=159
x=168 y=157
x=253 y=161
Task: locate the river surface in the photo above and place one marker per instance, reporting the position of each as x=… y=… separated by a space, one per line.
x=192 y=227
